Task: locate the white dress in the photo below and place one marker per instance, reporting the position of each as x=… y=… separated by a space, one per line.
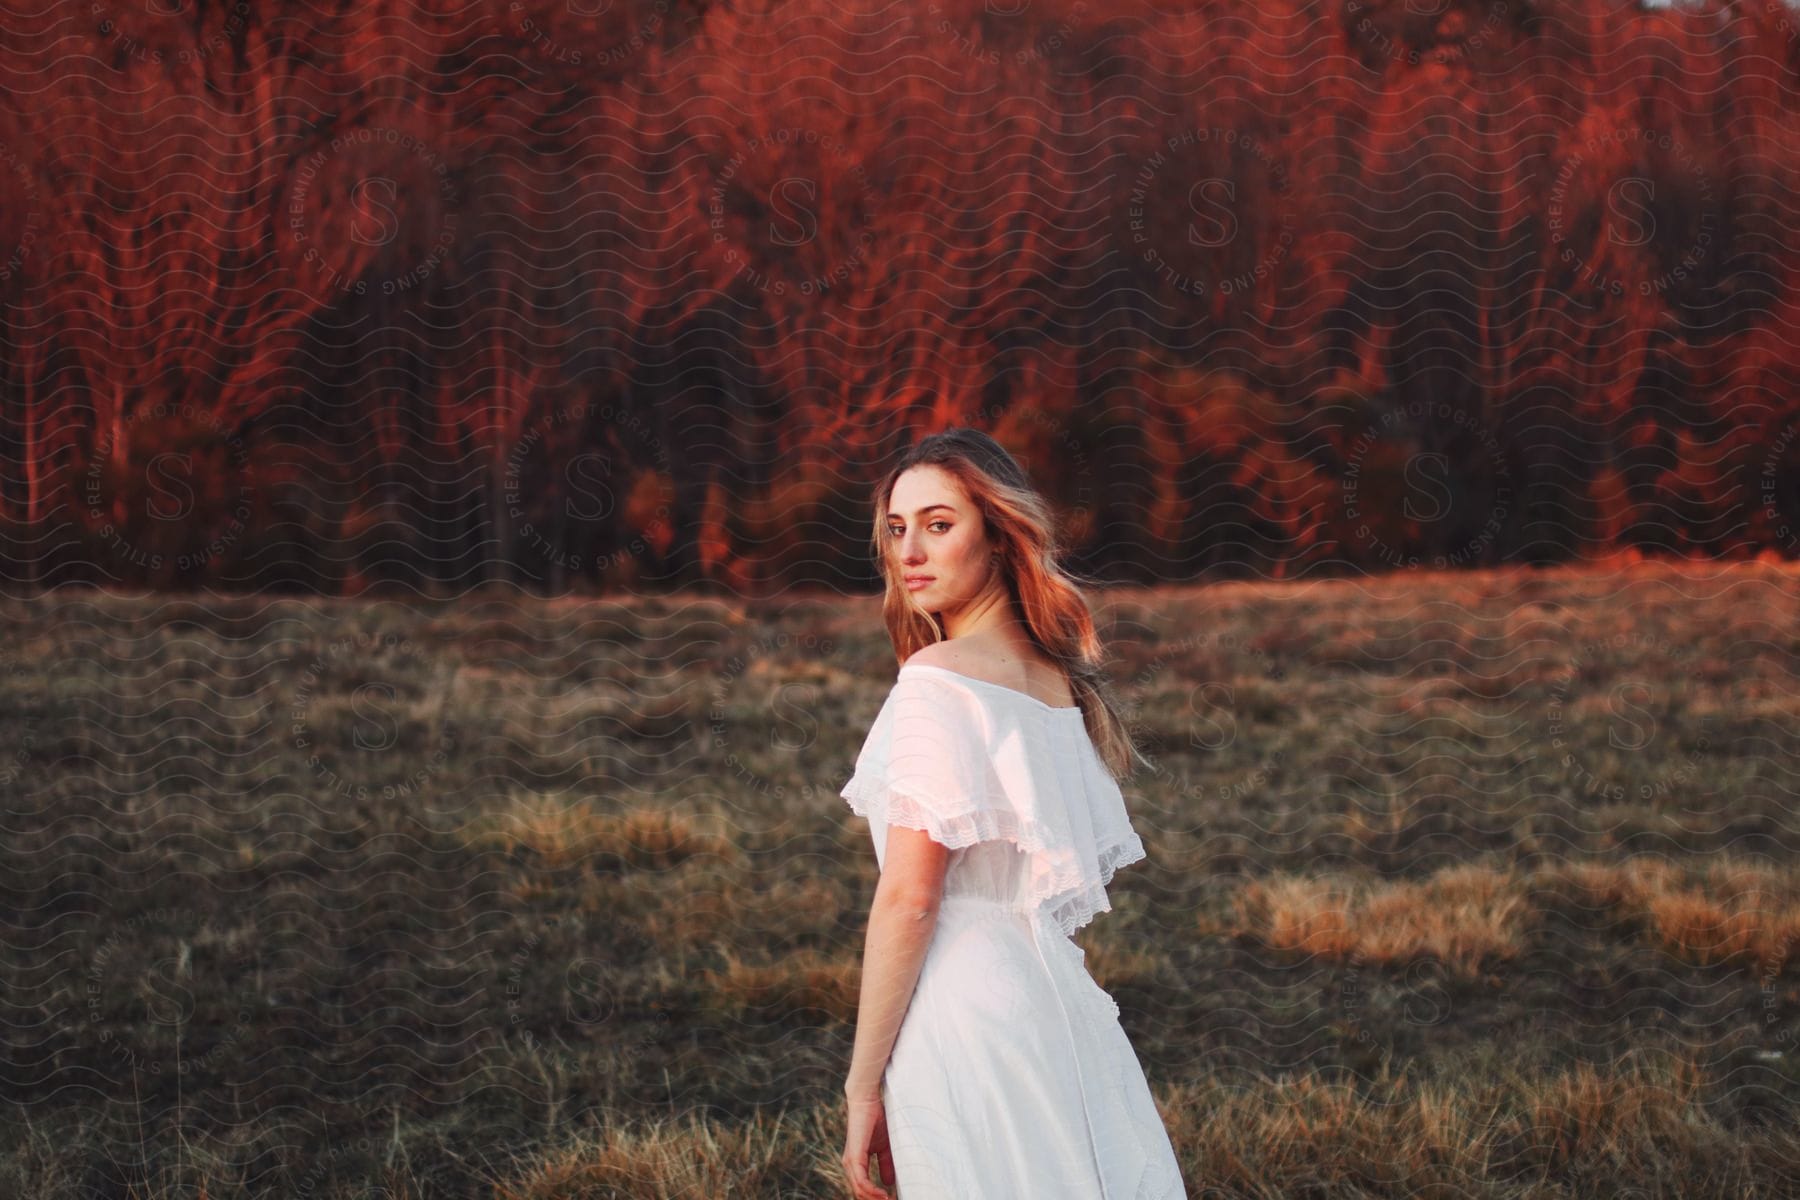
x=1010 y=1076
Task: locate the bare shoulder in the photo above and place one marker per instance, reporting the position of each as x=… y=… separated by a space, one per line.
x=1032 y=674
x=978 y=661
x=932 y=654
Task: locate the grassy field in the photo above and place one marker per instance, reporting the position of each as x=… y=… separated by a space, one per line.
x=1458 y=885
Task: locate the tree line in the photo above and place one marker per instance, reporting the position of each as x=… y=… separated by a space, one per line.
x=572 y=294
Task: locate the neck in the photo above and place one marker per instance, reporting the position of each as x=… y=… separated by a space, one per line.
x=989 y=615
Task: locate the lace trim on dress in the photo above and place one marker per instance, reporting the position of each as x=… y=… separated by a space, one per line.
x=874 y=798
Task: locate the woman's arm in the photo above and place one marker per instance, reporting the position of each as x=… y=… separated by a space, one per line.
x=902 y=918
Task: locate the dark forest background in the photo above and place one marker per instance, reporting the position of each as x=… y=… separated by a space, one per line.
x=603 y=293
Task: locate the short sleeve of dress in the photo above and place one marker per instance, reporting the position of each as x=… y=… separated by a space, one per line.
x=968 y=762
x=926 y=765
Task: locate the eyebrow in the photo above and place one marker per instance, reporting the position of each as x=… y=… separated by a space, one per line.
x=924 y=510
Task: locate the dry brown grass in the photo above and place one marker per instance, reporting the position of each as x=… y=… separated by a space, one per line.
x=803 y=983
x=1385 y=942
x=561 y=830
x=681 y=1159
x=1610 y=1132
x=1714 y=912
x=1408 y=1139
x=1469 y=917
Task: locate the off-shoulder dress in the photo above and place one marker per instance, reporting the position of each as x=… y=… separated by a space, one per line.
x=1011 y=1075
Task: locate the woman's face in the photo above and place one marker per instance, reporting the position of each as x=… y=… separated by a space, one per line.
x=943 y=556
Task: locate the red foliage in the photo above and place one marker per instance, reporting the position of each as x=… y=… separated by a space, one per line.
x=1315 y=285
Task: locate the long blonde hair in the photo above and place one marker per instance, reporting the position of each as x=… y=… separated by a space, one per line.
x=1047 y=598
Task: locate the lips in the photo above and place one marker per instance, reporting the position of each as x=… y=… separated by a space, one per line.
x=920 y=578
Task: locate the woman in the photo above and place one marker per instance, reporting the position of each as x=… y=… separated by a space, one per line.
x=988 y=1064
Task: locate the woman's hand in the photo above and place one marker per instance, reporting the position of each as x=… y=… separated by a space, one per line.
x=866 y=1133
